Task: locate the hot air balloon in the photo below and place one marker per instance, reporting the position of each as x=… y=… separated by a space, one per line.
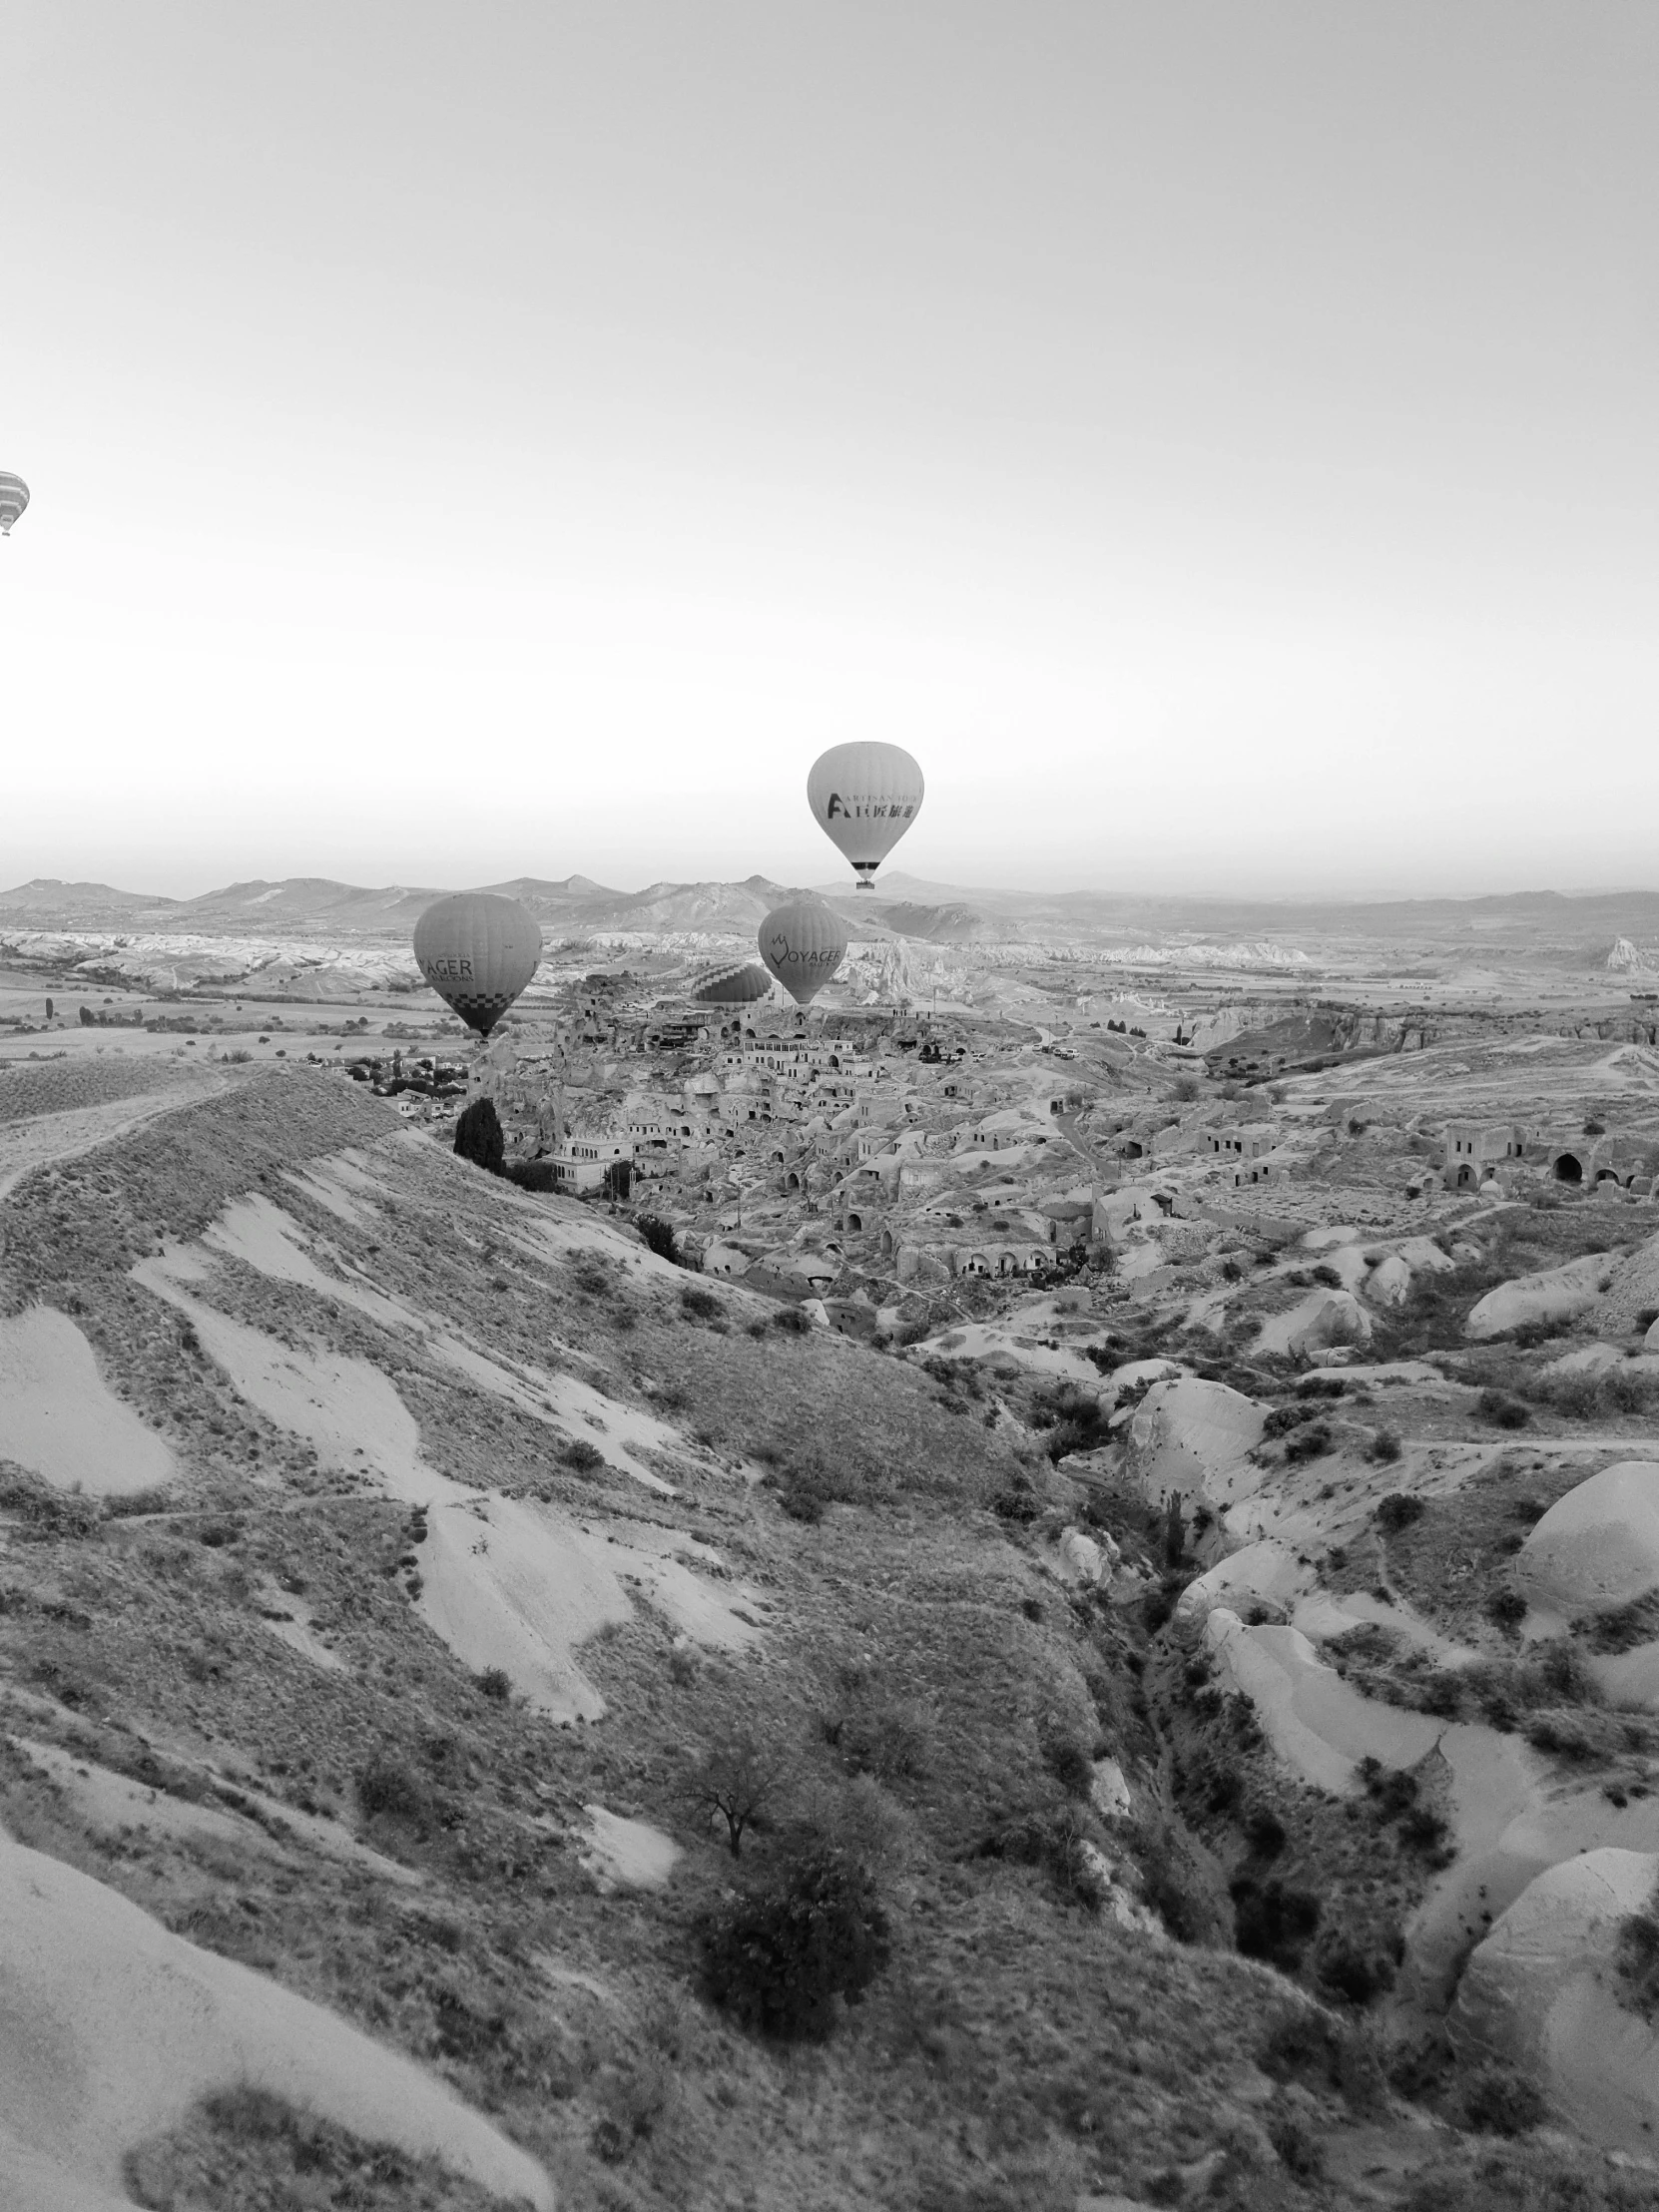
x=477 y=951
x=736 y=983
x=865 y=797
x=802 y=944
x=14 y=497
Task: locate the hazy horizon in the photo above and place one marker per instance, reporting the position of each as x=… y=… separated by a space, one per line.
x=1217 y=443
x=893 y=885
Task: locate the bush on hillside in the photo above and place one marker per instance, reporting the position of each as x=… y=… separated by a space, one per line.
x=1311 y=2047
x=387 y=1789
x=1500 y=2101
x=1637 y=1959
x=1397 y=1511
x=701 y=1305
x=478 y=1135
x=779 y=1955
x=1506 y=1609
x=1057 y=1840
x=1310 y=1442
x=1386 y=1446
x=1273 y=1922
x=659 y=1237
x=1502 y=1410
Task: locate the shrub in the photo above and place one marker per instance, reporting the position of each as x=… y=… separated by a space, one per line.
x=1265 y=1832
x=778 y=1956
x=1502 y=1410
x=1397 y=1511
x=1577 y=1397
x=699 y=1304
x=1310 y=1442
x=1358 y=1963
x=586 y=1458
x=888 y=1738
x=1505 y=1608
x=478 y=1135
x=1499 y=2102
x=531 y=1175
x=1386 y=1446
x=1283 y=1419
x=1627 y=1393
x=1273 y=1922
x=1623 y=1627
x=1310 y=2046
x=1174 y=1534
x=386 y=1786
x=659 y=1237
x=1069 y=1763
x=1637 y=1959
x=791 y=1319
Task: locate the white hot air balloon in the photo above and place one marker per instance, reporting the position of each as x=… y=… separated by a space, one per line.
x=864 y=797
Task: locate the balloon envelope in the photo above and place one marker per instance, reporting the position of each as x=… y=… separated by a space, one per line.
x=864 y=797
x=802 y=944
x=14 y=497
x=738 y=984
x=477 y=951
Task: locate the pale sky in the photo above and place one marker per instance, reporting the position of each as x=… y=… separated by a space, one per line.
x=1218 y=440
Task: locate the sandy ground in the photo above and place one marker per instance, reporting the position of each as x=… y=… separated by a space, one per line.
x=627 y=1854
x=59 y=1420
x=263 y=1235
x=505 y=1582
x=111 y=1801
x=512 y=1584
x=112 y=2029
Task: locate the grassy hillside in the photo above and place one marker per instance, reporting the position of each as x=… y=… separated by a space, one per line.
x=329 y=1794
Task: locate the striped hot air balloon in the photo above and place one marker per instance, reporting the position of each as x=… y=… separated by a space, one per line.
x=477 y=951
x=736 y=983
x=864 y=797
x=14 y=497
x=802 y=944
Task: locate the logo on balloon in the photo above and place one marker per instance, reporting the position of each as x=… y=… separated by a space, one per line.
x=866 y=808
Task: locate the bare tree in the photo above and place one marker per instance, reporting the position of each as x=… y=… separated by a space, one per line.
x=737 y=1777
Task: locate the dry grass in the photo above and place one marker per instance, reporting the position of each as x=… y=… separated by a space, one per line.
x=930 y=1687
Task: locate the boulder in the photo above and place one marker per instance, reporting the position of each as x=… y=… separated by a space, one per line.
x=1540 y=1994
x=1587 y=1359
x=113 y=2028
x=1599 y=1545
x=1339 y=1319
x=1552 y=1295
x=1264 y=1573
x=1087 y=1560
x=1193 y=1439
x=1635 y=1288
x=1389 y=1282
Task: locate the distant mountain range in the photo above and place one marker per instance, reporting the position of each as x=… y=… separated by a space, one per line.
x=905 y=906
